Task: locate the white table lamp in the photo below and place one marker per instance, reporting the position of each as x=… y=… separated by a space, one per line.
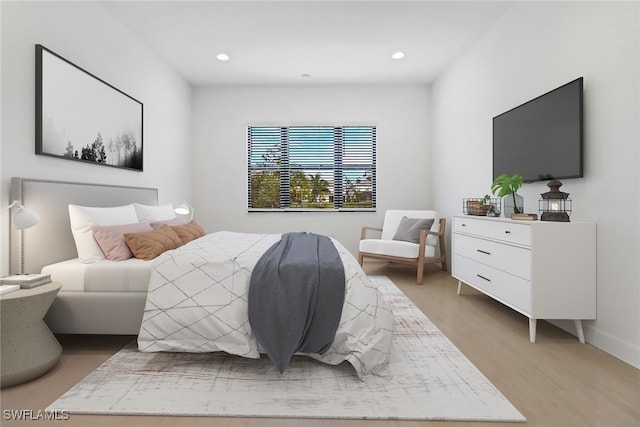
x=184 y=209
x=23 y=217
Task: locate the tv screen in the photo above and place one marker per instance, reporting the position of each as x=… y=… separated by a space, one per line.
x=542 y=138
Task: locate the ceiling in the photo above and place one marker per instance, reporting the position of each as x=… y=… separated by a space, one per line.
x=332 y=42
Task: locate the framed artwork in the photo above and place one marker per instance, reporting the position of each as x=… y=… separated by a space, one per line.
x=83 y=118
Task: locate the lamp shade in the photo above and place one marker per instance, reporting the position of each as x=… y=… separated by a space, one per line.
x=184 y=209
x=24 y=218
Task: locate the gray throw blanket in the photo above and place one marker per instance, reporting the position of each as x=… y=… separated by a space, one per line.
x=296 y=294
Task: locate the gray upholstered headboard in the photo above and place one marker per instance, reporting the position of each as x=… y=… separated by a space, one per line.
x=51 y=240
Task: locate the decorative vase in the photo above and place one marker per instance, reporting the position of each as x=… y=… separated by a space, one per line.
x=493 y=211
x=507 y=204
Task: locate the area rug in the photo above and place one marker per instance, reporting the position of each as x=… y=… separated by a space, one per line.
x=429 y=379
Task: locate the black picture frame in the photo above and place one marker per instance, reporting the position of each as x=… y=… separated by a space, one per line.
x=81 y=117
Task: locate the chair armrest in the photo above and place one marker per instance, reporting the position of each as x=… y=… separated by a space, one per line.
x=363 y=232
x=422 y=244
x=423 y=241
x=424 y=233
x=423 y=237
x=440 y=232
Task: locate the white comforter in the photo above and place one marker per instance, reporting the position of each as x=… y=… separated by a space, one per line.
x=197 y=302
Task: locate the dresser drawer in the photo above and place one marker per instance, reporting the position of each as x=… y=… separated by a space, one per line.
x=511 y=259
x=506 y=288
x=507 y=231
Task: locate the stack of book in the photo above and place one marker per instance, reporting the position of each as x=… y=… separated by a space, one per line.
x=26 y=281
x=524 y=217
x=5 y=289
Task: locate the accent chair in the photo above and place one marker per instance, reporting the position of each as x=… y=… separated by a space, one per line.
x=413 y=237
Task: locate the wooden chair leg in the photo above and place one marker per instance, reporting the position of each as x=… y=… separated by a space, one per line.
x=442 y=248
x=420 y=272
x=360 y=259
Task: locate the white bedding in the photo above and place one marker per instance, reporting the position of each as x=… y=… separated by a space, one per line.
x=197 y=302
x=131 y=275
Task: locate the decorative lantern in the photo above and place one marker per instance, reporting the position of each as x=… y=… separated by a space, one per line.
x=555 y=205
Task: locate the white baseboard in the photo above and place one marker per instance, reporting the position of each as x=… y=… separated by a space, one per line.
x=616 y=347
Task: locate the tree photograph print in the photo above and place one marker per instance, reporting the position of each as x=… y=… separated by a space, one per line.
x=80 y=117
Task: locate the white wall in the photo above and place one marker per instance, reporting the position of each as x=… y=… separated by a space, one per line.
x=533 y=48
x=221 y=116
x=87 y=34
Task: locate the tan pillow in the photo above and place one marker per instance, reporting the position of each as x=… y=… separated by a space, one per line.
x=189 y=232
x=150 y=244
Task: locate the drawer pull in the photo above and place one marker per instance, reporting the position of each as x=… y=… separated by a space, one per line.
x=507 y=232
x=483 y=278
x=483 y=252
x=464 y=225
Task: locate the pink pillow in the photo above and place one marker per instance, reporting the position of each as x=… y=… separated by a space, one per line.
x=171 y=222
x=110 y=238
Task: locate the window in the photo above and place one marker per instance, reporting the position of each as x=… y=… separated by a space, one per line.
x=311 y=167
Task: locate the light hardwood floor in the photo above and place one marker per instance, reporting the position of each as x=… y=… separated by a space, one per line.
x=555 y=382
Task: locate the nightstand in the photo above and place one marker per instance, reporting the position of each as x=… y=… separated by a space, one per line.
x=29 y=349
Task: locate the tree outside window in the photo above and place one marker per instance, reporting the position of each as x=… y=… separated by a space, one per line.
x=305 y=167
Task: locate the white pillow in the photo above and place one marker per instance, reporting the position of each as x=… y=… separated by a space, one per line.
x=148 y=213
x=84 y=218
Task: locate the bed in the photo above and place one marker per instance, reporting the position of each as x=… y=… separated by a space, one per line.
x=75 y=311
x=167 y=311
x=198 y=302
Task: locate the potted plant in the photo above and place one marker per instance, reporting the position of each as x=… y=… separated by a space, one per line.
x=505 y=185
x=484 y=200
x=478 y=206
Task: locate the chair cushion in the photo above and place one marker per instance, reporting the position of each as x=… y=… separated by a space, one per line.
x=409 y=229
x=396 y=248
x=392 y=220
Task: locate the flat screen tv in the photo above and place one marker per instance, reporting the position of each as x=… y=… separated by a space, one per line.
x=541 y=139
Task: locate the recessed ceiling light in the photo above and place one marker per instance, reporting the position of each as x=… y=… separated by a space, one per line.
x=222 y=56
x=398 y=55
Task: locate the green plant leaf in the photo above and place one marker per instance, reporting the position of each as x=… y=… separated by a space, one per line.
x=505 y=184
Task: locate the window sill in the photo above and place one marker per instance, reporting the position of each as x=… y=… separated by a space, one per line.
x=251 y=210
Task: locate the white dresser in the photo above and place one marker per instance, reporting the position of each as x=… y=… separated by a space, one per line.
x=544 y=270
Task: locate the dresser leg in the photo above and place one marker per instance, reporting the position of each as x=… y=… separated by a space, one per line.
x=459 y=287
x=532 y=330
x=579 y=329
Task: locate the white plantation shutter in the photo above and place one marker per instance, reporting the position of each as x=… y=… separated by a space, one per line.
x=311 y=167
x=358 y=163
